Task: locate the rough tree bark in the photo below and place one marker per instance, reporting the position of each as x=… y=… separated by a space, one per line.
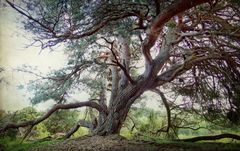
x=125 y=97
x=124 y=89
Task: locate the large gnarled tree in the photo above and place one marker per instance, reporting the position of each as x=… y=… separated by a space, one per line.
x=189 y=46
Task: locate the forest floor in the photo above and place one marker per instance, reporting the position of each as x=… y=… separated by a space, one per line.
x=116 y=143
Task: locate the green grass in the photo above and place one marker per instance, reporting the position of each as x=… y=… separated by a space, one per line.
x=16 y=145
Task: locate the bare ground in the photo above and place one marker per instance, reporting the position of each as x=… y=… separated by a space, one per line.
x=117 y=143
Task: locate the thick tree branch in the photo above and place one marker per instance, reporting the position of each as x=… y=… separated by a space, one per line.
x=188 y=127
x=214 y=137
x=177 y=70
x=54 y=109
x=164 y=53
x=156 y=27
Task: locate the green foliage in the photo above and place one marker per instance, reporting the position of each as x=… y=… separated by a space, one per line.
x=207 y=90
x=235 y=2
x=93 y=86
x=147 y=122
x=2 y=114
x=16 y=145
x=25 y=114
x=41 y=131
x=171 y=24
x=62 y=121
x=80 y=132
x=53 y=89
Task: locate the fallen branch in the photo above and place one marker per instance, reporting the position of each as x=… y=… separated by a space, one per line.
x=54 y=109
x=214 y=137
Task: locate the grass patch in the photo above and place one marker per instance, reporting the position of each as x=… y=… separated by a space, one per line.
x=15 y=144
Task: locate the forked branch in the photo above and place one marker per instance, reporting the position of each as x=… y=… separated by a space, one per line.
x=177 y=70
x=156 y=27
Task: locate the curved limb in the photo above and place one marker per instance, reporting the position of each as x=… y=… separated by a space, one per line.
x=54 y=109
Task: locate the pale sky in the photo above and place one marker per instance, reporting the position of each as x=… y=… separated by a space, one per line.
x=13 y=54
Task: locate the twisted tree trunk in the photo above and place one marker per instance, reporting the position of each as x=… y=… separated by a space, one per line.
x=125 y=90
x=118 y=113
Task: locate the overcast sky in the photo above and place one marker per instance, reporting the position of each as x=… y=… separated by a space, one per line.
x=13 y=54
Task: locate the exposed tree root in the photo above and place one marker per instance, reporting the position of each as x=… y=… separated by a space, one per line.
x=214 y=137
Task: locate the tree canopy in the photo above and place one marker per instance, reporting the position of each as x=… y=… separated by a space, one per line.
x=125 y=48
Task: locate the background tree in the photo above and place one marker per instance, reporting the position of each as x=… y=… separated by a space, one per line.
x=61 y=121
x=190 y=47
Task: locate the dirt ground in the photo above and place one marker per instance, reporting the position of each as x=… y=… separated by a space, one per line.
x=116 y=143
